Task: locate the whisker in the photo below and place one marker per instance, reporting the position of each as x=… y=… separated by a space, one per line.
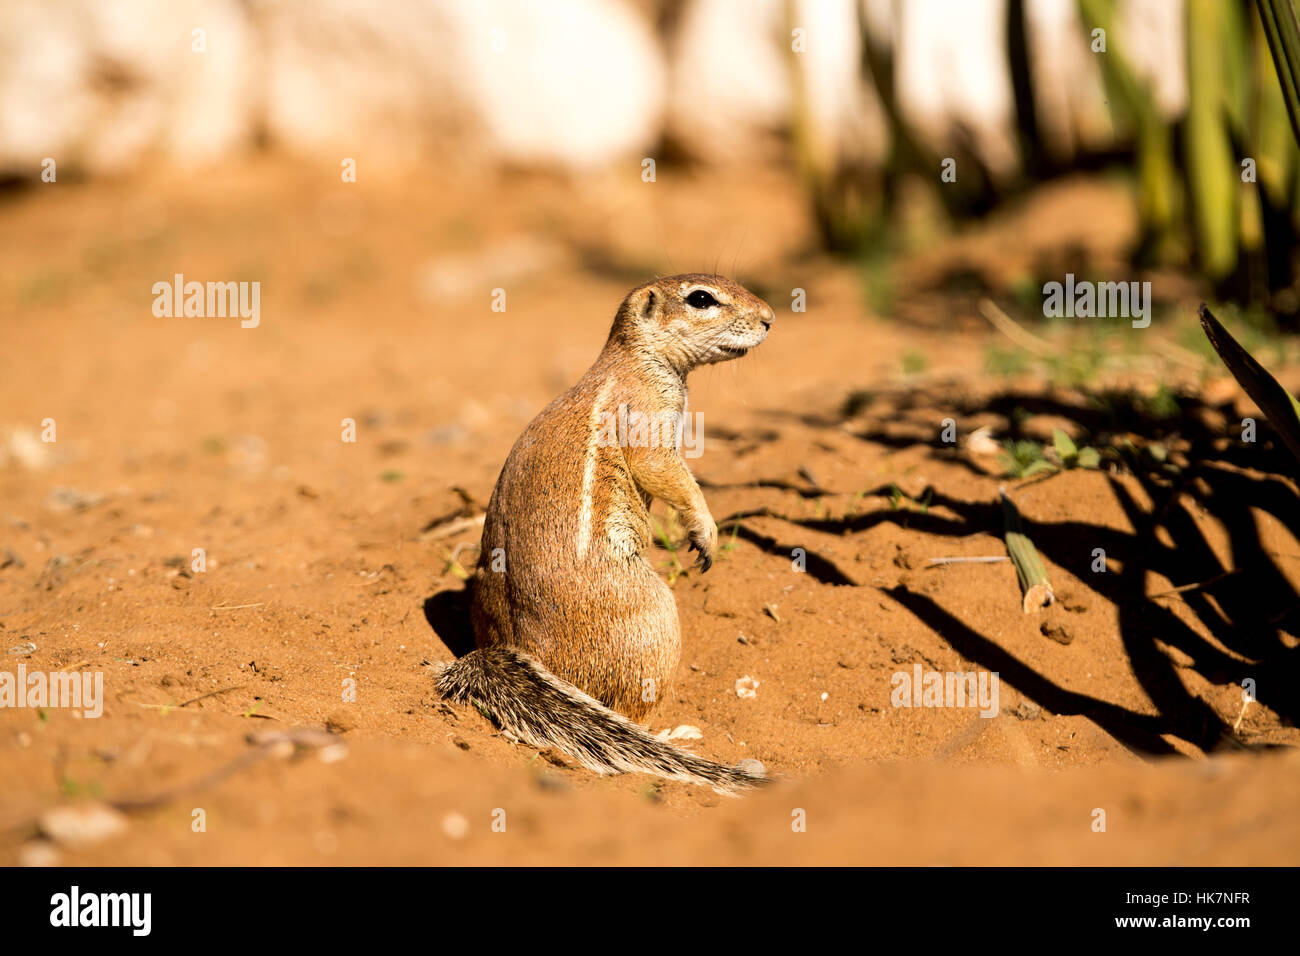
x=735 y=262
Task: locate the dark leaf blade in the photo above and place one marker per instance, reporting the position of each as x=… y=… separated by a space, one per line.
x=1278 y=405
x=1283 y=34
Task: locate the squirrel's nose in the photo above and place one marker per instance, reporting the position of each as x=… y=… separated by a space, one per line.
x=767 y=316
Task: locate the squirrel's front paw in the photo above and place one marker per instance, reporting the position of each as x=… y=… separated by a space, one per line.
x=704 y=539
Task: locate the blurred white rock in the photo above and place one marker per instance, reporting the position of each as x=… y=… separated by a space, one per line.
x=727 y=83
x=579 y=85
x=730 y=78
x=104 y=86
x=730 y=83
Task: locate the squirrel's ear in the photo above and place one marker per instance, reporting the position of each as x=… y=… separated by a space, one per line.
x=650 y=306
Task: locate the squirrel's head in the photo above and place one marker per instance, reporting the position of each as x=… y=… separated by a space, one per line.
x=691 y=320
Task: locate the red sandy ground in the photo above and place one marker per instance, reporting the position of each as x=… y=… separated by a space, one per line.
x=193 y=433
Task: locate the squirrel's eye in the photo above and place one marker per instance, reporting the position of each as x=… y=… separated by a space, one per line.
x=699 y=299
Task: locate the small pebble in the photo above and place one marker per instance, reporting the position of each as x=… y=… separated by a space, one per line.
x=81 y=824
x=38 y=853
x=333 y=753
x=551 y=781
x=340 y=722
x=455 y=826
x=1056 y=632
x=1027 y=710
x=682 y=732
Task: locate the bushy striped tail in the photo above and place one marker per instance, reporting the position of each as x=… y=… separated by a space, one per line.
x=539 y=709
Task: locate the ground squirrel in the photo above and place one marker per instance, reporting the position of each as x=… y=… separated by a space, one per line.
x=577 y=635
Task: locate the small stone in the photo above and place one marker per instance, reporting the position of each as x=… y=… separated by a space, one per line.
x=333 y=753
x=752 y=767
x=81 y=824
x=682 y=732
x=1056 y=632
x=455 y=826
x=746 y=687
x=1027 y=710
x=551 y=781
x=339 y=722
x=38 y=853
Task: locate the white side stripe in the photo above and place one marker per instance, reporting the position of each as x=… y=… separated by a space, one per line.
x=589 y=473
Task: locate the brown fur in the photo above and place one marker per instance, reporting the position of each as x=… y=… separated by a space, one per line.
x=569 y=515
